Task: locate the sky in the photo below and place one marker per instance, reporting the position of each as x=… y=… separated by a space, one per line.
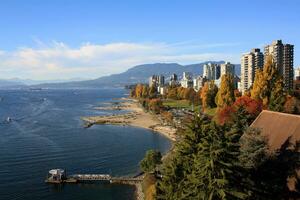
x=63 y=39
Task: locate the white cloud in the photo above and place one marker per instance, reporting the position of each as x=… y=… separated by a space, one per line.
x=59 y=61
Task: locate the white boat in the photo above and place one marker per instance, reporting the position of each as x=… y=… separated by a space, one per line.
x=8 y=119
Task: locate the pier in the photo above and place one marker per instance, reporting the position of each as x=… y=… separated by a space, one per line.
x=58 y=176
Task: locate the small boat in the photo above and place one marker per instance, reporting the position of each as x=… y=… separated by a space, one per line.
x=8 y=119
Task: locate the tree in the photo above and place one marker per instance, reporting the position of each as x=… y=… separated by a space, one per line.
x=265 y=81
x=253 y=147
x=277 y=97
x=244 y=110
x=290 y=105
x=225 y=115
x=204 y=165
x=139 y=91
x=145 y=91
x=155 y=105
x=225 y=95
x=208 y=93
x=132 y=91
x=179 y=163
x=172 y=93
x=150 y=161
x=272 y=174
x=189 y=94
x=152 y=92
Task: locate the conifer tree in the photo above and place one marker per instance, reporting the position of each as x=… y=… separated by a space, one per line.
x=225 y=95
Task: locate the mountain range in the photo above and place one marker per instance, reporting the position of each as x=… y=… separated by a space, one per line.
x=136 y=74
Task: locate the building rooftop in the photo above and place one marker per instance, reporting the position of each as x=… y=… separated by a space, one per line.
x=278 y=127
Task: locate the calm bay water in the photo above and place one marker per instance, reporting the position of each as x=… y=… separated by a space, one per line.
x=46 y=132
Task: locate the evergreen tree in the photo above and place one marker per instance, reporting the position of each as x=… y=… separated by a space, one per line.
x=151 y=160
x=225 y=95
x=179 y=164
x=205 y=165
x=254 y=148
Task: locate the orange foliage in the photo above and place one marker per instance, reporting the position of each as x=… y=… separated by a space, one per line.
x=225 y=115
x=290 y=105
x=252 y=106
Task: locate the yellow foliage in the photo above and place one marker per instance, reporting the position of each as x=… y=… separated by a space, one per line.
x=264 y=82
x=225 y=95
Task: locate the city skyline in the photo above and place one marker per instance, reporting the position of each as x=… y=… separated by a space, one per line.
x=55 y=40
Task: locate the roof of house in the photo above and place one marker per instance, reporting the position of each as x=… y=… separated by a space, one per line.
x=278 y=127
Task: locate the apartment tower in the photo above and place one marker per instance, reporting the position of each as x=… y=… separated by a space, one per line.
x=211 y=71
x=250 y=62
x=283 y=57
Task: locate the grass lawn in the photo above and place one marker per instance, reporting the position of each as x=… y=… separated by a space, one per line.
x=177 y=103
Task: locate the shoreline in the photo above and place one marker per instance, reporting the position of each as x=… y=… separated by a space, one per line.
x=135 y=117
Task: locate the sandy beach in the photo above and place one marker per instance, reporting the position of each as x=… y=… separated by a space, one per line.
x=135 y=117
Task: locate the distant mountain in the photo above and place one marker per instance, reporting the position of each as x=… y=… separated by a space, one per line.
x=137 y=74
x=36 y=82
x=5 y=84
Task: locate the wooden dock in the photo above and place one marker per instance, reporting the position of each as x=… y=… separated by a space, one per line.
x=80 y=178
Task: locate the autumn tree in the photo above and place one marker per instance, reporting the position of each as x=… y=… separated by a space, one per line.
x=290 y=105
x=245 y=106
x=139 y=91
x=225 y=95
x=265 y=81
x=152 y=92
x=172 y=93
x=189 y=94
x=277 y=97
x=145 y=91
x=155 y=105
x=208 y=93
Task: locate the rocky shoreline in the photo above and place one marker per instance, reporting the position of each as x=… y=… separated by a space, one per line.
x=136 y=116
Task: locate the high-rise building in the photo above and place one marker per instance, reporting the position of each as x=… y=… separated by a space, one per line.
x=211 y=71
x=198 y=82
x=283 y=57
x=156 y=80
x=173 y=77
x=187 y=80
x=297 y=74
x=250 y=62
x=173 y=80
x=161 y=80
x=153 y=81
x=227 y=68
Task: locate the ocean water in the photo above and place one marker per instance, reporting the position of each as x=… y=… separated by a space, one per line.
x=46 y=132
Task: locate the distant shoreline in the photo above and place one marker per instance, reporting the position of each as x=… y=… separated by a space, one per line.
x=136 y=117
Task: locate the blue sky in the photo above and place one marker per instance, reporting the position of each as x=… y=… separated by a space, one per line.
x=58 y=39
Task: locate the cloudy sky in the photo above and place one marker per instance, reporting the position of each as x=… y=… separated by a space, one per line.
x=62 y=39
